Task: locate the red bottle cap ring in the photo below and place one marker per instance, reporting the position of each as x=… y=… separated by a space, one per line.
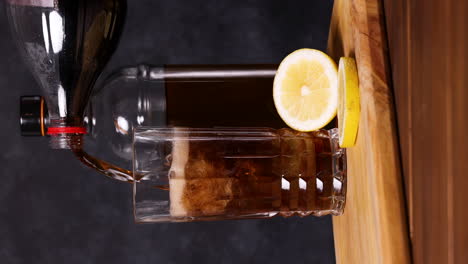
x=66 y=130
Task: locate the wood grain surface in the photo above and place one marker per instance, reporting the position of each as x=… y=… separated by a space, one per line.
x=373 y=228
x=428 y=42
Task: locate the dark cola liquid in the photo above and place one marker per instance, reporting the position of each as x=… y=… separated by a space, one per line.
x=230 y=96
x=264 y=171
x=66 y=43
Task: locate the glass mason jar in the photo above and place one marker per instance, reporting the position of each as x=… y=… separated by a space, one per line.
x=193 y=174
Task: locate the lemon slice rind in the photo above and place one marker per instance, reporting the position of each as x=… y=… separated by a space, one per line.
x=349 y=102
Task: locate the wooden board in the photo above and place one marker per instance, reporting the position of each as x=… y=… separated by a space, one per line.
x=428 y=43
x=373 y=228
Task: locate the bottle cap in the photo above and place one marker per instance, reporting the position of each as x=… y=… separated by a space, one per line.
x=32 y=116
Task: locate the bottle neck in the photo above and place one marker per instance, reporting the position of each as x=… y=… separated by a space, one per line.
x=66 y=133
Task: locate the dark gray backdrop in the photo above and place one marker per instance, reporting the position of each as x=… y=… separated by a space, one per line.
x=54 y=210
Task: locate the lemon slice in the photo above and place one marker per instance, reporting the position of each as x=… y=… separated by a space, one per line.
x=348 y=103
x=305 y=90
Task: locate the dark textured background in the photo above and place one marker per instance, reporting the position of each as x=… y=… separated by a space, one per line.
x=54 y=210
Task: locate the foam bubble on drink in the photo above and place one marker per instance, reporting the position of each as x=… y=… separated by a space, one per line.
x=197 y=183
x=177 y=182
